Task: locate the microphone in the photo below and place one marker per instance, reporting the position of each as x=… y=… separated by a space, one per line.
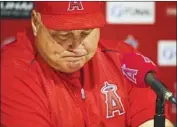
x=141 y=71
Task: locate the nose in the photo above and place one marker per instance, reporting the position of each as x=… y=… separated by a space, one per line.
x=76 y=40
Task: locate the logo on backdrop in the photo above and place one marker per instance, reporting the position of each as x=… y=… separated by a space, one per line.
x=171 y=11
x=130 y=12
x=16 y=9
x=113 y=100
x=167 y=53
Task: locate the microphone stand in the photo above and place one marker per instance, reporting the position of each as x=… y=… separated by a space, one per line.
x=159 y=117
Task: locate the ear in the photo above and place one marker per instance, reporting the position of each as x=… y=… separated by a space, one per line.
x=35 y=21
x=34 y=28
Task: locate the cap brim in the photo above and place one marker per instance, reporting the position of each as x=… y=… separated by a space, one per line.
x=77 y=21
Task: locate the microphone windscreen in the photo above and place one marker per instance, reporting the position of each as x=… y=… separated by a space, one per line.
x=135 y=66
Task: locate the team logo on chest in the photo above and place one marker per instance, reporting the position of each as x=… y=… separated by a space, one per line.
x=113 y=100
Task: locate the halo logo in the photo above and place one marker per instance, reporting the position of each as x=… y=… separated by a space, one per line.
x=116 y=11
x=167 y=53
x=130 y=12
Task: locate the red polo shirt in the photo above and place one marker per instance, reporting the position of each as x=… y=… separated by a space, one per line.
x=35 y=95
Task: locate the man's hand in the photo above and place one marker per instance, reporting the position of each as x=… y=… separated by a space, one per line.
x=150 y=123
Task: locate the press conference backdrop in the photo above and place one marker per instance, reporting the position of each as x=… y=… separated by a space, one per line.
x=148 y=26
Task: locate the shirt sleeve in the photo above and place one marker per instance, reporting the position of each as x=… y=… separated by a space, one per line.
x=23 y=102
x=142 y=106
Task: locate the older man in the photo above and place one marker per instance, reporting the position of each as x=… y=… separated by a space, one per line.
x=57 y=74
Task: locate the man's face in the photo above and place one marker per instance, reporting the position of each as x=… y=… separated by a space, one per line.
x=67 y=50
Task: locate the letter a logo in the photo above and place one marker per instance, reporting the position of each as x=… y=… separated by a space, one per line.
x=129 y=73
x=113 y=100
x=75 y=5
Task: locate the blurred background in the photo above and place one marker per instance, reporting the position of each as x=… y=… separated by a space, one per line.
x=149 y=27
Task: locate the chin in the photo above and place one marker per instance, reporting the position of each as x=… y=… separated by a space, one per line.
x=66 y=67
x=70 y=69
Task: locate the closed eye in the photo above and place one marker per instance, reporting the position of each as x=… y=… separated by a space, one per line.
x=64 y=37
x=61 y=36
x=86 y=32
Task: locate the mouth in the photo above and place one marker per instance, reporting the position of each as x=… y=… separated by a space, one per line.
x=75 y=55
x=74 y=58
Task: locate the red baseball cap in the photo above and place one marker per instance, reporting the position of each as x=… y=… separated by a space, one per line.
x=66 y=15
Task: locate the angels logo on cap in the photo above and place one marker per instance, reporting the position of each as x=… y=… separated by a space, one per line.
x=75 y=5
x=69 y=15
